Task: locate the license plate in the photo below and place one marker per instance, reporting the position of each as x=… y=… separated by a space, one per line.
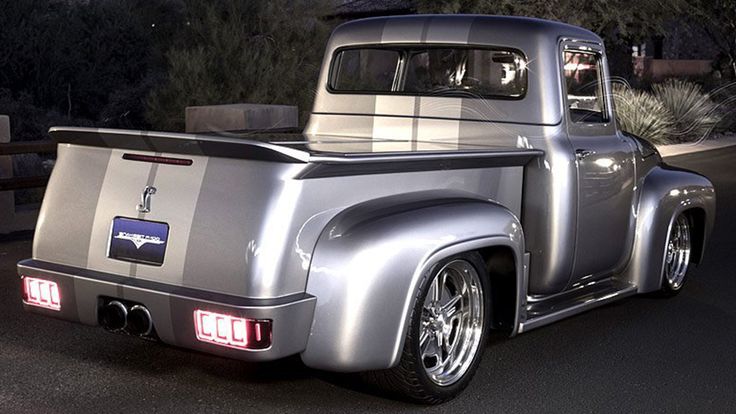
x=138 y=241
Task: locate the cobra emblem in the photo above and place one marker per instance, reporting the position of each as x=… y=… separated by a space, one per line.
x=145 y=205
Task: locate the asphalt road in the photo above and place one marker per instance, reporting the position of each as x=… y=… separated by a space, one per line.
x=639 y=355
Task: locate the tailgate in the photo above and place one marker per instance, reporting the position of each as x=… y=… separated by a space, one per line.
x=205 y=219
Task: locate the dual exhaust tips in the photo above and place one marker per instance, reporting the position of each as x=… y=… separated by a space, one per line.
x=136 y=320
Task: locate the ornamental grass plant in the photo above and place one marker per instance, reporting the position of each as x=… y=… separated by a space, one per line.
x=642 y=114
x=693 y=112
x=675 y=111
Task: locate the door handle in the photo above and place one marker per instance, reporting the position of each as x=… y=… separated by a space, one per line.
x=583 y=153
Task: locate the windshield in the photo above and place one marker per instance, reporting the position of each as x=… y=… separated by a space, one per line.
x=458 y=71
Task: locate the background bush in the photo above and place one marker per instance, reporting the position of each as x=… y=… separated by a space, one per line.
x=74 y=59
x=82 y=63
x=242 y=51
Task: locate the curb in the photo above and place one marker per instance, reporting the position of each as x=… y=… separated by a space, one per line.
x=707 y=145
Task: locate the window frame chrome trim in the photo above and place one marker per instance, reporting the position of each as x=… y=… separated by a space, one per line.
x=399 y=75
x=601 y=87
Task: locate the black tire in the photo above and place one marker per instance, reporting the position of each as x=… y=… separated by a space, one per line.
x=669 y=287
x=408 y=379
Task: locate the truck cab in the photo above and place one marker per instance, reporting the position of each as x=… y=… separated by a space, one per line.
x=510 y=82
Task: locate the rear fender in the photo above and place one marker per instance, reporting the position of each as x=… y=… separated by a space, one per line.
x=370 y=259
x=666 y=193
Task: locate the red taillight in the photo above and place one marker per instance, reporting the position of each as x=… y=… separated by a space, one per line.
x=42 y=293
x=232 y=331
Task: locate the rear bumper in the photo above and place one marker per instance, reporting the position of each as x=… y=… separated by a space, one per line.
x=172 y=308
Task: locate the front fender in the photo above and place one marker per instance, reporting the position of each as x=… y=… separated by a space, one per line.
x=369 y=261
x=666 y=193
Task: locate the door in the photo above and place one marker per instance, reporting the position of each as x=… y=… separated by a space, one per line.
x=605 y=166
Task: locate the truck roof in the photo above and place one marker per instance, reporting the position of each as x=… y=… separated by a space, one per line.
x=509 y=31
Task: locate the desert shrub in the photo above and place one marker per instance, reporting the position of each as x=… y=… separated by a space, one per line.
x=640 y=113
x=242 y=51
x=693 y=113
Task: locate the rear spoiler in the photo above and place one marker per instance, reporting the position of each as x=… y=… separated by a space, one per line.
x=172 y=142
x=319 y=164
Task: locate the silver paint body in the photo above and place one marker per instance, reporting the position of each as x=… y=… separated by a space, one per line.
x=356 y=243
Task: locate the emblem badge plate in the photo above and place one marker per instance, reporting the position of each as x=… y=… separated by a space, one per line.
x=138 y=241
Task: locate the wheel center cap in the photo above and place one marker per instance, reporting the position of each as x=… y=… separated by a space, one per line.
x=437 y=321
x=446 y=328
x=440 y=323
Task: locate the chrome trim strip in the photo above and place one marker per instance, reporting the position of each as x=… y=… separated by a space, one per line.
x=522 y=291
x=377 y=163
x=578 y=288
x=586 y=303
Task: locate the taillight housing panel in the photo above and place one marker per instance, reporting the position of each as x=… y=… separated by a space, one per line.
x=42 y=293
x=232 y=331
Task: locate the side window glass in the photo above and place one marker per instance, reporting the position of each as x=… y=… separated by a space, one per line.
x=584 y=87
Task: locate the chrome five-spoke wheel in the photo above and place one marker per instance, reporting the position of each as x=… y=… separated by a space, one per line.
x=449 y=325
x=451 y=322
x=677 y=254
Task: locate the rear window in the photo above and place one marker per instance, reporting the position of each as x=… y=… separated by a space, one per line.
x=366 y=70
x=467 y=72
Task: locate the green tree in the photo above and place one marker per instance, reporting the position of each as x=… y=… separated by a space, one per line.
x=242 y=51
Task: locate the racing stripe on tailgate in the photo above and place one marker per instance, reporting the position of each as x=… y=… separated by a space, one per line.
x=178 y=188
x=228 y=230
x=118 y=196
x=141 y=216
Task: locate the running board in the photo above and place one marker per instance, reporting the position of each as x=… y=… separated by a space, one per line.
x=551 y=309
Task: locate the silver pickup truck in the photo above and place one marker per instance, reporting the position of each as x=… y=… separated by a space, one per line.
x=458 y=174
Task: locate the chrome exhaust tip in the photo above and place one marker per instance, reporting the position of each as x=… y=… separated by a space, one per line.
x=139 y=321
x=114 y=316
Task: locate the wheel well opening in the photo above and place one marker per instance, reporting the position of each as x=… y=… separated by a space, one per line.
x=501 y=270
x=697 y=219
